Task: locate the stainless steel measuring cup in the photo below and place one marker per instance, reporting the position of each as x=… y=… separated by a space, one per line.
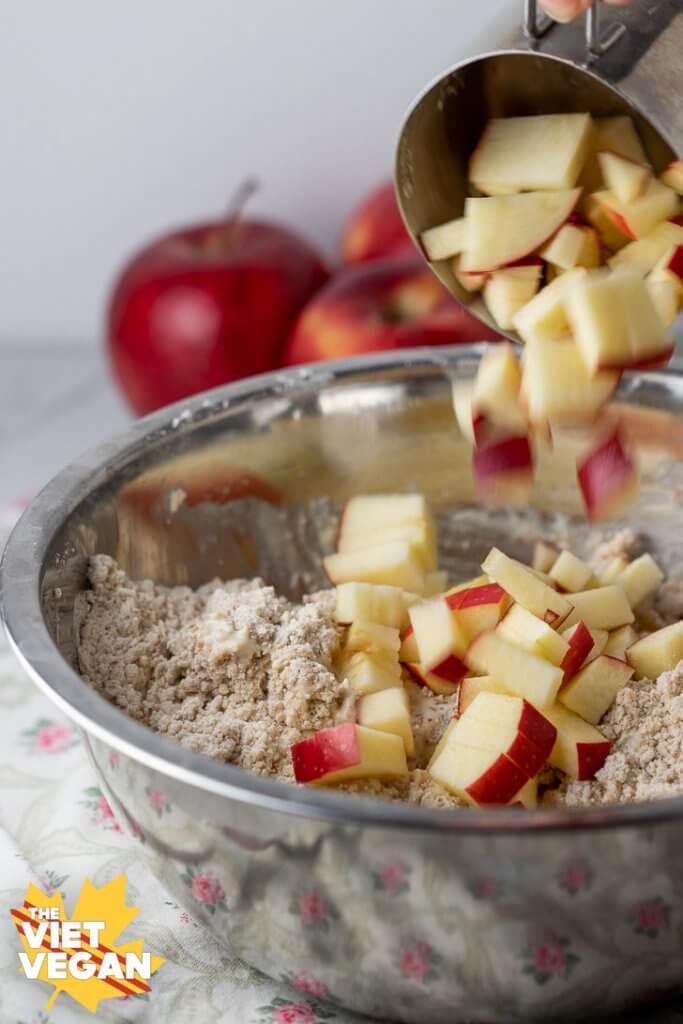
x=617 y=60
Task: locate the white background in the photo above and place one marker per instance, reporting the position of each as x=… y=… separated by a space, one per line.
x=119 y=118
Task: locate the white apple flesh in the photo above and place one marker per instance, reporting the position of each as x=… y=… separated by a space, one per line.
x=557 y=387
x=659 y=652
x=508 y=725
x=526 y=588
x=505 y=229
x=592 y=691
x=523 y=674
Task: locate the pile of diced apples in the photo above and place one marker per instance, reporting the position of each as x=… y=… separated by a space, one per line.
x=533 y=656
x=575 y=244
x=509 y=408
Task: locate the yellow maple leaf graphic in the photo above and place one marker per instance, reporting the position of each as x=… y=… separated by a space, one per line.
x=106 y=904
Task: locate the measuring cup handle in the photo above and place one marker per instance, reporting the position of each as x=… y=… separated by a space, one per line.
x=536 y=24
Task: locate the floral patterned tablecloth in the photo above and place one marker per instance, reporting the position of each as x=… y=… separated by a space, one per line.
x=57 y=829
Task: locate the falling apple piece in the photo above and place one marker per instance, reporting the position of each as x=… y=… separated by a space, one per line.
x=503 y=471
x=673 y=176
x=558 y=389
x=608 y=478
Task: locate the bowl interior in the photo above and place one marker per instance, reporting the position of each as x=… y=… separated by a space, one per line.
x=444 y=126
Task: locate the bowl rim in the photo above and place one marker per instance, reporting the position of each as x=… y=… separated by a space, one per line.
x=21 y=570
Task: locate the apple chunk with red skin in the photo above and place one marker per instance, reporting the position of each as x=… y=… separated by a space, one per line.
x=504 y=470
x=206 y=305
x=580 y=750
x=504 y=229
x=509 y=725
x=437 y=684
x=478 y=608
x=580 y=643
x=379 y=307
x=440 y=640
x=477 y=776
x=347 y=752
x=592 y=691
x=526 y=588
x=636 y=219
x=608 y=478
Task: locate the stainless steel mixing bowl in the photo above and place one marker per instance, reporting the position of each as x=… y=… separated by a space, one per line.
x=401 y=912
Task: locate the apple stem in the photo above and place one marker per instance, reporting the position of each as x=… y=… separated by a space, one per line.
x=238 y=200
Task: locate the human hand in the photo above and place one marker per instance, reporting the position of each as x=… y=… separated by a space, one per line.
x=566 y=10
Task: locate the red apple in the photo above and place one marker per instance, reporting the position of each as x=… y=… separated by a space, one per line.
x=205 y=305
x=377 y=307
x=375 y=229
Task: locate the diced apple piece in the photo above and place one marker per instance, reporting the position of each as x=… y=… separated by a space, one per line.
x=601 y=608
x=496 y=390
x=580 y=749
x=444 y=240
x=666 y=294
x=636 y=219
x=526 y=588
x=592 y=691
x=544 y=556
x=619 y=135
x=388 y=711
x=471 y=686
x=625 y=178
x=408 y=650
x=477 y=776
x=369 y=602
x=504 y=295
x=671 y=261
x=395 y=563
x=478 y=608
x=545 y=317
x=644 y=254
x=640 y=579
x=473 y=425
x=522 y=154
x=509 y=725
x=369 y=674
x=504 y=229
x=614 y=568
x=615 y=323
x=659 y=652
x=476 y=581
x=564 y=250
x=580 y=644
x=527 y=631
x=580 y=638
x=372 y=513
x=523 y=674
x=571 y=573
x=437 y=684
x=557 y=387
x=435 y=583
x=503 y=471
x=614 y=135
x=619 y=641
x=440 y=639
x=599 y=216
x=608 y=478
x=469 y=281
x=347 y=752
x=372 y=639
x=673 y=176
x=419 y=534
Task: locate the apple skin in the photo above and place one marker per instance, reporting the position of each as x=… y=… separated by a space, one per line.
x=379 y=307
x=375 y=229
x=205 y=305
